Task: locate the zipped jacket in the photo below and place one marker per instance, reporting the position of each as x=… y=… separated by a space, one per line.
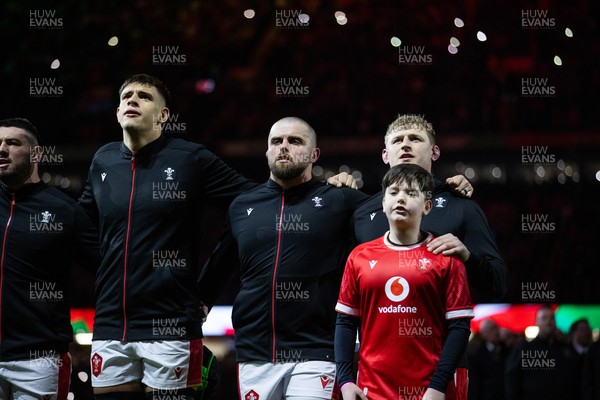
x=149 y=207
x=43 y=233
x=292 y=246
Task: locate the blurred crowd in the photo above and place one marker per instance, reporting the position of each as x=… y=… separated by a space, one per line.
x=507 y=366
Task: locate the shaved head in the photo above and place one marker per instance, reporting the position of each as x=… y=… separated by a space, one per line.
x=298 y=122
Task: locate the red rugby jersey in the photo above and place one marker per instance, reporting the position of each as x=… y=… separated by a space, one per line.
x=403 y=296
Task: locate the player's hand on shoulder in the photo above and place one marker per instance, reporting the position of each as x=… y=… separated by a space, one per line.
x=449 y=245
x=343 y=179
x=352 y=392
x=432 y=394
x=461 y=185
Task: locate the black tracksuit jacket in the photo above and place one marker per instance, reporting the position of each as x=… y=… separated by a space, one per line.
x=44 y=231
x=149 y=208
x=292 y=247
x=450 y=213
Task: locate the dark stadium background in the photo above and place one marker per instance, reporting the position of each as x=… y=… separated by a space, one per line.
x=225 y=73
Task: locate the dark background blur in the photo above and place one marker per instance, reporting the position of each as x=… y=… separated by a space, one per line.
x=231 y=78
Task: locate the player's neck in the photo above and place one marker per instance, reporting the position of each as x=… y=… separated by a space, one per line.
x=136 y=140
x=290 y=183
x=404 y=236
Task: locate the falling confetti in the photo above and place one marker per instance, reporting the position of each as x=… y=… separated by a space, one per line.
x=557 y=61
x=304 y=18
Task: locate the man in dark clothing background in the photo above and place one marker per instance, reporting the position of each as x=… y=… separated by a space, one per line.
x=44 y=233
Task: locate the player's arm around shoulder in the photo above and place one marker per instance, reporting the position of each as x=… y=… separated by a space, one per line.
x=343 y=179
x=449 y=245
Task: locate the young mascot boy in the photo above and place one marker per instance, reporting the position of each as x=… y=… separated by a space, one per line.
x=413 y=307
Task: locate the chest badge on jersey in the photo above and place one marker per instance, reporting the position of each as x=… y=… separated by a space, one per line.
x=372 y=215
x=169 y=189
x=45 y=222
x=317 y=201
x=440 y=202
x=169 y=174
x=424 y=263
x=46 y=216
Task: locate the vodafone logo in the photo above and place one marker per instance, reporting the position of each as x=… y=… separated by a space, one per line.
x=396 y=288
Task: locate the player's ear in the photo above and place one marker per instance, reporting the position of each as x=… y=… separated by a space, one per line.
x=35 y=153
x=427 y=207
x=164 y=115
x=316 y=152
x=384 y=156
x=435 y=152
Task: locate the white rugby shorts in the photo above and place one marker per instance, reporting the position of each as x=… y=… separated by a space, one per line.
x=161 y=364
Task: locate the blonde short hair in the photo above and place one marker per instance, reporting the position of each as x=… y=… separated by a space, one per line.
x=411 y=121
